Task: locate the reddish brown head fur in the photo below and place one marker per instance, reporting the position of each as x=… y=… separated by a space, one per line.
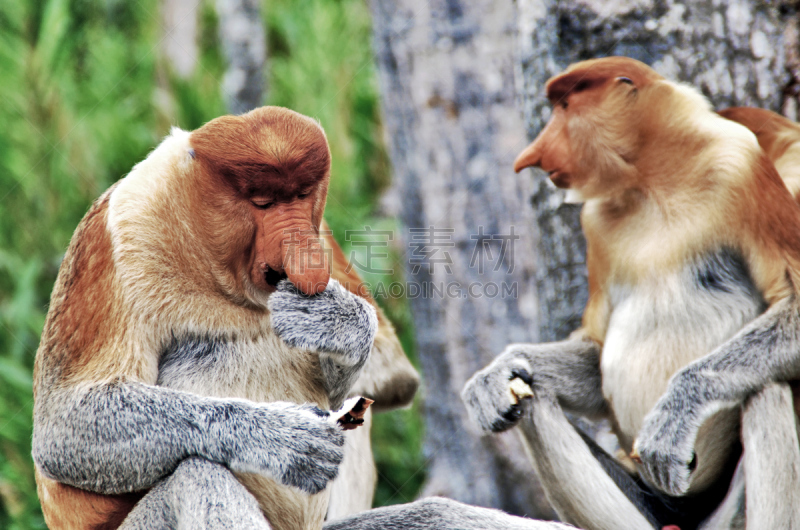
x=268 y=151
x=594 y=73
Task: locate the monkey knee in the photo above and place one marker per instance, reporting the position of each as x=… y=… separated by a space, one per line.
x=198 y=478
x=438 y=505
x=199 y=470
x=198 y=494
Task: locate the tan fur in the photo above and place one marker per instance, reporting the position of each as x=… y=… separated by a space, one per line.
x=84 y=509
x=661 y=190
x=170 y=250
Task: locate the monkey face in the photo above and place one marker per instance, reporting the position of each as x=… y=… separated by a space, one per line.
x=266 y=176
x=287 y=243
x=593 y=135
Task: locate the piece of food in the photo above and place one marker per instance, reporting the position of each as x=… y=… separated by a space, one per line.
x=635 y=454
x=351 y=415
x=519 y=390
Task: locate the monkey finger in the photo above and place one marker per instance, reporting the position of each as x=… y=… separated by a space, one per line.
x=522 y=374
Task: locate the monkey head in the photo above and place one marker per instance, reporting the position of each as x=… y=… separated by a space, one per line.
x=597 y=127
x=261 y=191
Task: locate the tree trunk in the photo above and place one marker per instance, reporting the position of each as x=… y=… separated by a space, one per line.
x=447 y=74
x=179 y=42
x=241 y=32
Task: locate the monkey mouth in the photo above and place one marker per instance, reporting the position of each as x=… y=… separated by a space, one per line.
x=559 y=178
x=272 y=276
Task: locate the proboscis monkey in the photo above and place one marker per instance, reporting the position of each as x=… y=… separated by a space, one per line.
x=194 y=338
x=692 y=330
x=175 y=347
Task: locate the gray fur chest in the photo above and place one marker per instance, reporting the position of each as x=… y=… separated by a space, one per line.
x=262 y=370
x=664 y=323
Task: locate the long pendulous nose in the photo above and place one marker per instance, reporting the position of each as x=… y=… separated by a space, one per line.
x=551 y=143
x=530 y=156
x=306 y=261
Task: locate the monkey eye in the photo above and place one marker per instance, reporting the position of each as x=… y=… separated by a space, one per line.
x=261 y=204
x=564 y=104
x=304 y=195
x=625 y=80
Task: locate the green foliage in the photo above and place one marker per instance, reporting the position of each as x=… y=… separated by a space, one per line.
x=77 y=114
x=86 y=96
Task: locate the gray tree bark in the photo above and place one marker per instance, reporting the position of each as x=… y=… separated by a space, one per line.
x=180 y=36
x=243 y=39
x=447 y=75
x=791 y=51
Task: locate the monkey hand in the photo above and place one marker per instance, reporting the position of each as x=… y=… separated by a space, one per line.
x=664 y=448
x=567 y=370
x=295 y=444
x=496 y=396
x=335 y=321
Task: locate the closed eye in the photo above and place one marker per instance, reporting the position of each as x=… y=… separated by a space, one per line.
x=261 y=204
x=304 y=195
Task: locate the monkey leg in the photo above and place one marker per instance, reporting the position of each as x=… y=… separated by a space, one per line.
x=771 y=459
x=577 y=483
x=199 y=495
x=589 y=488
x=436 y=513
x=729 y=515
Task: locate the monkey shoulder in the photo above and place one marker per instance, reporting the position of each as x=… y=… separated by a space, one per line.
x=85 y=313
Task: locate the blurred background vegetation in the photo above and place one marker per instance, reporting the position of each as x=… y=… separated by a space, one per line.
x=86 y=94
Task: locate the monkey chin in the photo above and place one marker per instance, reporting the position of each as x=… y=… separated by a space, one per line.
x=573 y=196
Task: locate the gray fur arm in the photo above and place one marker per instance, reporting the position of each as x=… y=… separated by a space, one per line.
x=436 y=513
x=766 y=350
x=569 y=369
x=336 y=323
x=125 y=436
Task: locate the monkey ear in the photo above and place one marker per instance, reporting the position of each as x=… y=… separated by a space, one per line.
x=625 y=80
